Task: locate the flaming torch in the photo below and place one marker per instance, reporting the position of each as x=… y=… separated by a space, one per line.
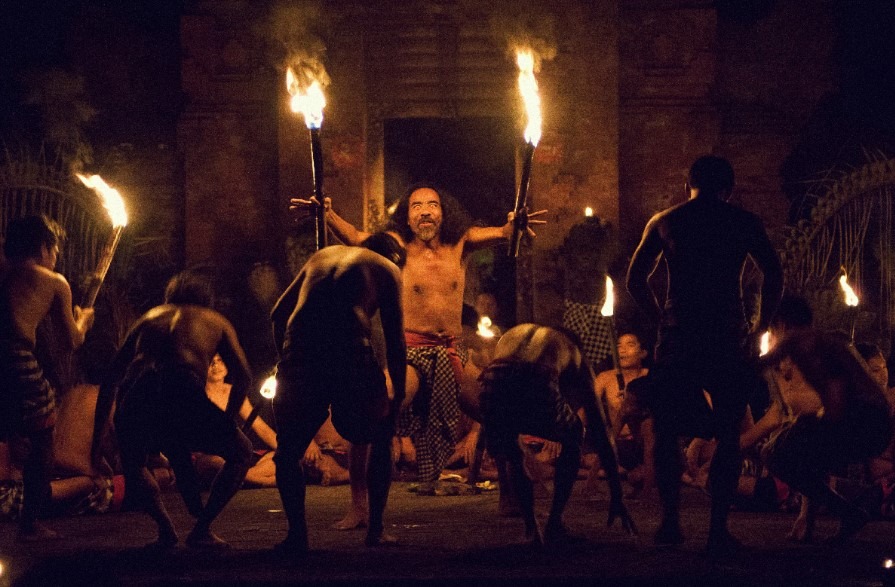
x=114 y=205
x=309 y=102
x=608 y=311
x=268 y=391
x=851 y=300
x=528 y=87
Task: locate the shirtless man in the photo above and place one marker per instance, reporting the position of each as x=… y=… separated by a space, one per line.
x=439 y=239
x=702 y=343
x=632 y=434
x=323 y=326
x=160 y=374
x=30 y=290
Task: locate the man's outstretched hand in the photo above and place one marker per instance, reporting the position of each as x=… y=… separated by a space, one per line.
x=532 y=219
x=309 y=204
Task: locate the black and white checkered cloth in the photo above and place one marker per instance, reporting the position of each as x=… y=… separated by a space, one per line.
x=592 y=328
x=432 y=420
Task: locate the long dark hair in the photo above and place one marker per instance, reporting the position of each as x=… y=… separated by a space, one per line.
x=454 y=219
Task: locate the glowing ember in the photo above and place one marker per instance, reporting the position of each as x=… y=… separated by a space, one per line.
x=484 y=328
x=589 y=212
x=765 y=343
x=528 y=87
x=851 y=299
x=609 y=303
x=269 y=387
x=308 y=101
x=110 y=197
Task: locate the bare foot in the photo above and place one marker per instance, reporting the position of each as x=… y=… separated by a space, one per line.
x=382 y=539
x=206 y=540
x=37 y=533
x=351 y=521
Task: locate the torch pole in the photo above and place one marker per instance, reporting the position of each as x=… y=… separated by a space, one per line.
x=520 y=210
x=102 y=267
x=317 y=172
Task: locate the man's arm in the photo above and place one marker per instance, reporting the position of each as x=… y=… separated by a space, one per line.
x=765 y=256
x=344 y=230
x=238 y=366
x=643 y=263
x=389 y=298
x=108 y=389
x=77 y=321
x=284 y=307
x=478 y=237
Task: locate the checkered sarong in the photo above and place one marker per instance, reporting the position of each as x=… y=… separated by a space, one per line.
x=432 y=419
x=27 y=400
x=592 y=328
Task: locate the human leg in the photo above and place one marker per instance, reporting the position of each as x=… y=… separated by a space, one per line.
x=237 y=460
x=36 y=486
x=566 y=473
x=356 y=517
x=187 y=477
x=522 y=489
x=379 y=479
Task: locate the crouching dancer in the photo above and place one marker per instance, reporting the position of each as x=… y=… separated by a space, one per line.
x=535 y=385
x=160 y=372
x=323 y=326
x=841 y=417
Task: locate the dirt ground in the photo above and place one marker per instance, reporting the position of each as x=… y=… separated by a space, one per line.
x=458 y=540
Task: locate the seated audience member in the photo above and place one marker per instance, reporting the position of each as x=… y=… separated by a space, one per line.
x=631 y=431
x=840 y=417
x=533 y=386
x=325 y=461
x=881 y=469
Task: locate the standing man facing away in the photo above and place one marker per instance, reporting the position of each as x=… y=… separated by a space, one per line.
x=30 y=290
x=439 y=238
x=702 y=341
x=160 y=372
x=323 y=326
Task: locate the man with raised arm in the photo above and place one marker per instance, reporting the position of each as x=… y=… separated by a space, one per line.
x=160 y=374
x=439 y=238
x=702 y=344
x=30 y=291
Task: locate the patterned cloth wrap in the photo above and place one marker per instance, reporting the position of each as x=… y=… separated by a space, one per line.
x=27 y=400
x=592 y=328
x=432 y=419
x=524 y=398
x=99 y=501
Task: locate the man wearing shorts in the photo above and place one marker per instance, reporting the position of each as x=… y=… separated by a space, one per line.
x=323 y=326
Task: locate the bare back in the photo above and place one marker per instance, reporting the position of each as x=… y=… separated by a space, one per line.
x=28 y=294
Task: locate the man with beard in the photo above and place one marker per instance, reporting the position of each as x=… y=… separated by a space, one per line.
x=439 y=239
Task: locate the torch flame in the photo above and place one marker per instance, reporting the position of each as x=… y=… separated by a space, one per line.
x=484 y=327
x=528 y=87
x=851 y=299
x=764 y=343
x=269 y=387
x=112 y=201
x=888 y=563
x=308 y=101
x=589 y=212
x=609 y=303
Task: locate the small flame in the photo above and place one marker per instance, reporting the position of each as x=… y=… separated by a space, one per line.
x=851 y=299
x=609 y=303
x=888 y=563
x=588 y=212
x=112 y=201
x=308 y=101
x=269 y=387
x=484 y=329
x=764 y=344
x=528 y=87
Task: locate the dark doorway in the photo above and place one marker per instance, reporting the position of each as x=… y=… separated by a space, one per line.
x=472 y=158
